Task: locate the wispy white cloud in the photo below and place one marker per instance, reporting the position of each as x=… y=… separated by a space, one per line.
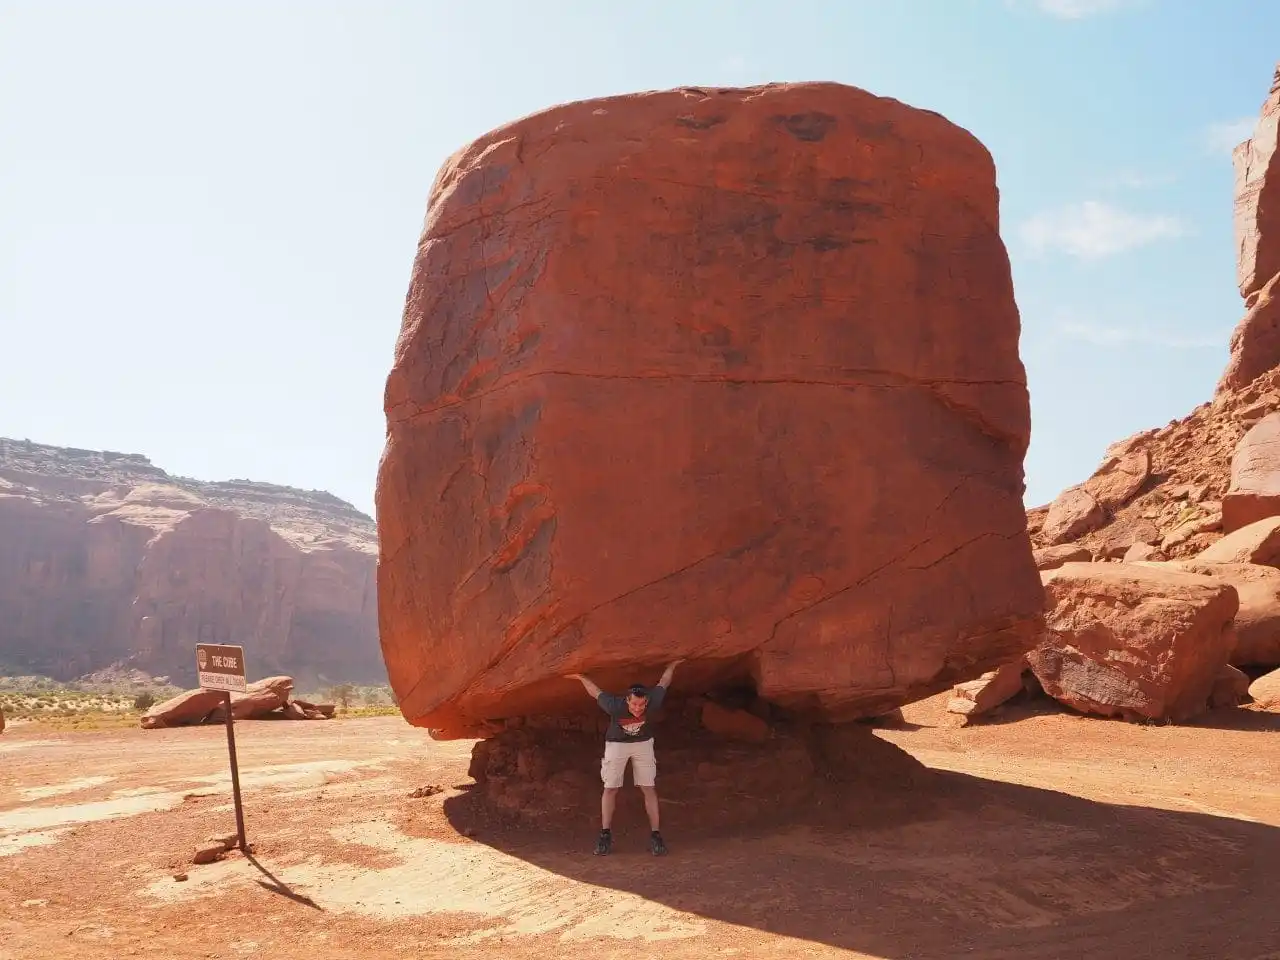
x=1105 y=335
x=1131 y=180
x=1225 y=136
x=1079 y=9
x=1092 y=230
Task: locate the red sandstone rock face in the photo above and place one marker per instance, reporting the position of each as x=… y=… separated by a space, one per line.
x=1257 y=622
x=730 y=375
x=1255 y=344
x=1134 y=640
x=105 y=558
x=1257 y=203
x=1254 y=493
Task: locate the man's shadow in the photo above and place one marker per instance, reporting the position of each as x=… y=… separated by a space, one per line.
x=933 y=865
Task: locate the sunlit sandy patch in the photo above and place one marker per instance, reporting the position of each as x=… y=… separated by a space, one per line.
x=128 y=803
x=17 y=843
x=41 y=818
x=436 y=877
x=71 y=786
x=24 y=744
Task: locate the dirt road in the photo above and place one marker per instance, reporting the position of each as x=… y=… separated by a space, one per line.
x=1051 y=837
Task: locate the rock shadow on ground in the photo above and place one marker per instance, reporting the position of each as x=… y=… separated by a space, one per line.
x=897 y=860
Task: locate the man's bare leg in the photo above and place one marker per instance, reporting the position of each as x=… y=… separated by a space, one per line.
x=608 y=801
x=651 y=806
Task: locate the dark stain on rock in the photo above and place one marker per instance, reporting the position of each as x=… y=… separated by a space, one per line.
x=699 y=123
x=809 y=127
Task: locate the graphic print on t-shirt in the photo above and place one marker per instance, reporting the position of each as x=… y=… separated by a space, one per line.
x=631 y=725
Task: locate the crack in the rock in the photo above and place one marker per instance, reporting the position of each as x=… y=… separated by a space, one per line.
x=871 y=575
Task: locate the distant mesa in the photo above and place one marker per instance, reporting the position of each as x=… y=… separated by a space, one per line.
x=107 y=560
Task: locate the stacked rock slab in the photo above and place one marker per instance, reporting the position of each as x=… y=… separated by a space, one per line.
x=724 y=374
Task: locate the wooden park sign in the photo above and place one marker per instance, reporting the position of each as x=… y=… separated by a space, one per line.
x=221 y=667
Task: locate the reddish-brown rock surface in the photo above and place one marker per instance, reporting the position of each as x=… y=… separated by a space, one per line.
x=1133 y=641
x=1255 y=344
x=1257 y=622
x=186 y=709
x=1254 y=493
x=105 y=558
x=724 y=374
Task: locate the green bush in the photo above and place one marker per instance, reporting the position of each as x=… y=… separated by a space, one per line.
x=144 y=701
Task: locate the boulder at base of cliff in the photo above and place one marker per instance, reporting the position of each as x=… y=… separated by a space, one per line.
x=259 y=699
x=1257 y=622
x=1265 y=691
x=1257 y=542
x=1047 y=558
x=724 y=374
x=183 y=710
x=1134 y=641
x=1254 y=493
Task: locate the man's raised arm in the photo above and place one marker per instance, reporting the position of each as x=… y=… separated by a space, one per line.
x=586 y=682
x=670 y=672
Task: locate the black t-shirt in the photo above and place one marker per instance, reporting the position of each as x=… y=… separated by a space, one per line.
x=626 y=728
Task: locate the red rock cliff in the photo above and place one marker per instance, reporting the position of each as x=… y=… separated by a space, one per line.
x=106 y=558
x=725 y=374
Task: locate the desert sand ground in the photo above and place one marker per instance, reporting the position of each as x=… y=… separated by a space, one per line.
x=1048 y=836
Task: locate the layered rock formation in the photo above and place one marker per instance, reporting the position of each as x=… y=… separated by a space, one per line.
x=105 y=558
x=727 y=374
x=1255 y=345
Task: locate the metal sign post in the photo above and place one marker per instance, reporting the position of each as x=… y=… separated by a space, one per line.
x=221 y=667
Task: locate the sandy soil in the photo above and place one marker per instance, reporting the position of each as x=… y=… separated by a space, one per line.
x=1045 y=836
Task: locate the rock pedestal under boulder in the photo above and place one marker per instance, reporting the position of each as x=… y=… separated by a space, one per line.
x=723 y=374
x=539 y=774
x=1134 y=641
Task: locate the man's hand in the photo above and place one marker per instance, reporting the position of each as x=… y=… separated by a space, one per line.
x=590 y=687
x=669 y=673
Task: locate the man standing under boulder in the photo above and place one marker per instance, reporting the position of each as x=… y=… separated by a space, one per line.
x=630 y=738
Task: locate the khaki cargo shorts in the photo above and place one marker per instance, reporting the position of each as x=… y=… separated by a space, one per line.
x=644 y=765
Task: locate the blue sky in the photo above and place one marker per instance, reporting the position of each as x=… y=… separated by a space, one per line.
x=208 y=211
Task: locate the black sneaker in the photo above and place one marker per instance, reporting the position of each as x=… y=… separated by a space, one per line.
x=604 y=843
x=656 y=845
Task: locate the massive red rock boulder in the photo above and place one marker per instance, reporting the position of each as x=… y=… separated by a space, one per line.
x=106 y=559
x=724 y=374
x=1134 y=641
